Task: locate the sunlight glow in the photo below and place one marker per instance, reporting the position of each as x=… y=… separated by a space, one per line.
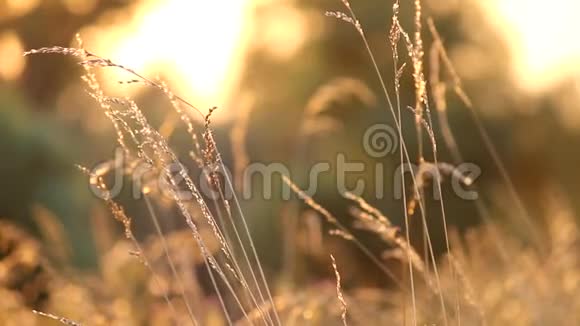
x=543 y=37
x=13 y=62
x=192 y=44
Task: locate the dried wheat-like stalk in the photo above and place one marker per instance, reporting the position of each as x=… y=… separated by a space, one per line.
x=394 y=38
x=415 y=51
x=153 y=149
x=344 y=232
x=62 y=320
x=338 y=90
x=339 y=291
x=119 y=215
x=523 y=213
x=371 y=219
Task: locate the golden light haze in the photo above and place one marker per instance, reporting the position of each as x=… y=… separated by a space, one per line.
x=542 y=38
x=11 y=50
x=193 y=44
x=200 y=46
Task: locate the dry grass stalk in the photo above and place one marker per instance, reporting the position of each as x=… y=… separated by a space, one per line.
x=423 y=121
x=119 y=215
x=344 y=17
x=523 y=214
x=372 y=220
x=368 y=208
x=185 y=118
x=339 y=291
x=176 y=276
x=344 y=232
x=320 y=125
x=212 y=160
x=414 y=53
x=92 y=60
x=439 y=91
x=151 y=146
x=434 y=172
x=341 y=234
x=394 y=38
x=338 y=90
x=439 y=54
x=62 y=320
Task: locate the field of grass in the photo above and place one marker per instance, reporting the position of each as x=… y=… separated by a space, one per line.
x=415 y=268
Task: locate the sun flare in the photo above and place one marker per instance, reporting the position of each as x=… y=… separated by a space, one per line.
x=192 y=44
x=542 y=37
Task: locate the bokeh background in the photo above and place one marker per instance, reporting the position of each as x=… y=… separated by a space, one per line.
x=519 y=61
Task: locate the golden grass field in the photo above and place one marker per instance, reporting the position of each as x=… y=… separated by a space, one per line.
x=210 y=271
